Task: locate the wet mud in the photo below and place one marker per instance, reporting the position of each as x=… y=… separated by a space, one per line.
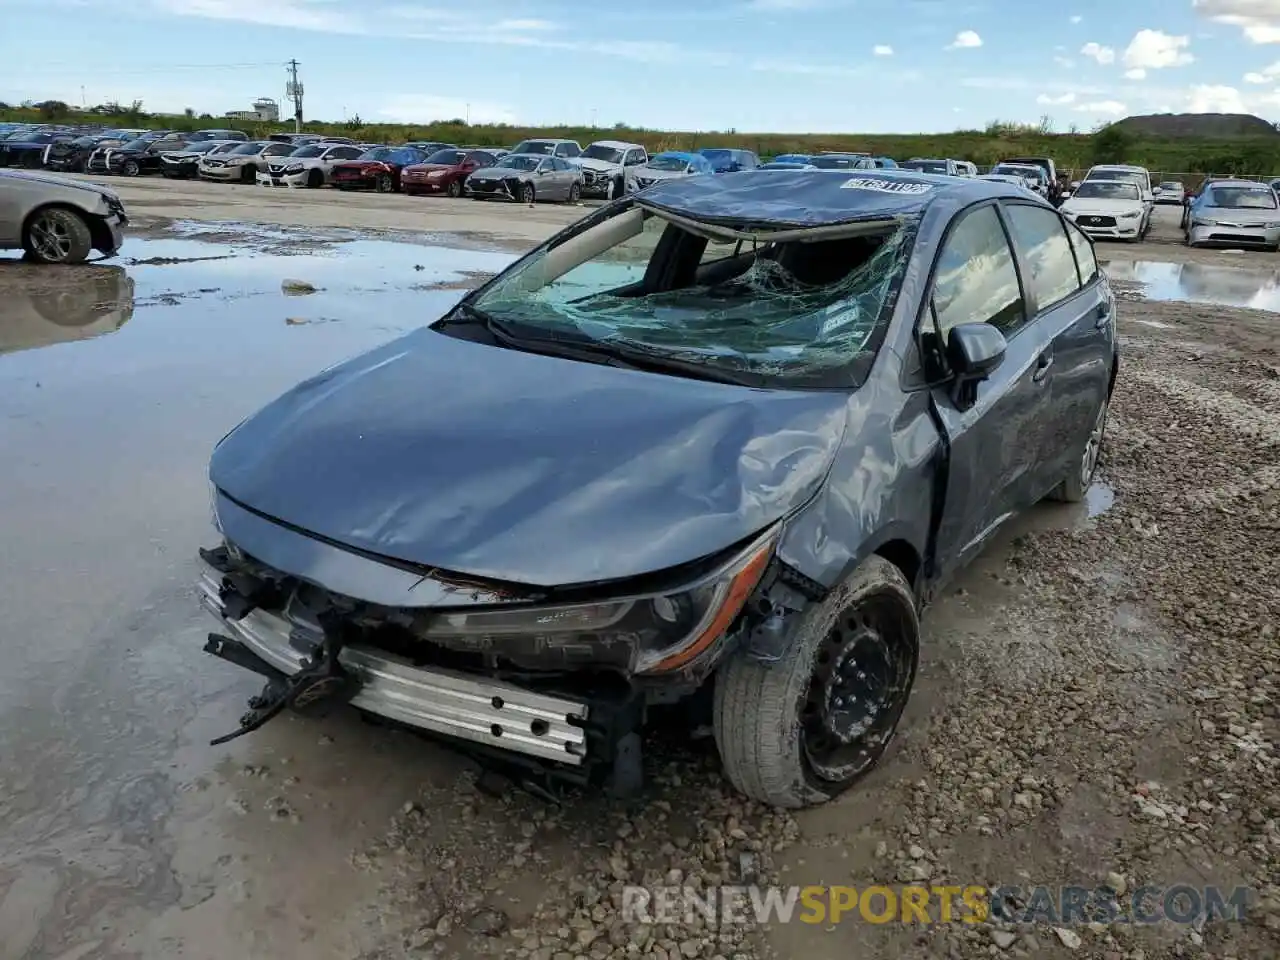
x=1067 y=671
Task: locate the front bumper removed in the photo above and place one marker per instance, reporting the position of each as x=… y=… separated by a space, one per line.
x=447 y=702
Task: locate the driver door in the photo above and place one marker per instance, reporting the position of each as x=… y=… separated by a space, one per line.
x=996 y=442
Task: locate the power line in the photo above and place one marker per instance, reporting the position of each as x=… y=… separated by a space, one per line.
x=108 y=71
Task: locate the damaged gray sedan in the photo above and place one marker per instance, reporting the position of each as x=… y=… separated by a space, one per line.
x=711 y=449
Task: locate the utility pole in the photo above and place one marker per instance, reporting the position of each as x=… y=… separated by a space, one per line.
x=293 y=90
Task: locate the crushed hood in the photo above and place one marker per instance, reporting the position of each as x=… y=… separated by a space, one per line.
x=525 y=468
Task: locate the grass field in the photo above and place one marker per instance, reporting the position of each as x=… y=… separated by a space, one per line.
x=1257 y=156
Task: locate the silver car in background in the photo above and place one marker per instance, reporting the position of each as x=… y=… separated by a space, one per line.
x=56 y=219
x=1235 y=213
x=527 y=177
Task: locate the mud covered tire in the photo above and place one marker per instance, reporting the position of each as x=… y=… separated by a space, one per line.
x=56 y=235
x=1074 y=488
x=762 y=712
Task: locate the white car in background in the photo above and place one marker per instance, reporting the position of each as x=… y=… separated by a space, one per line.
x=1108 y=209
x=310 y=165
x=1139 y=176
x=605 y=165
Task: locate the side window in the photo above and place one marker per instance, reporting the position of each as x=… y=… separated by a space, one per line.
x=634 y=157
x=976 y=280
x=280 y=150
x=1039 y=234
x=572 y=150
x=349 y=153
x=1086 y=261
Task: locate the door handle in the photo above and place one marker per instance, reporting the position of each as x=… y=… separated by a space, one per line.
x=1042 y=366
x=1102 y=315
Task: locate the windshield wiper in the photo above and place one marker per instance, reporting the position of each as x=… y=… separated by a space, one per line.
x=609 y=353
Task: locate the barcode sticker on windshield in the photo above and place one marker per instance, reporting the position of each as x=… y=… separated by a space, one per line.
x=885 y=186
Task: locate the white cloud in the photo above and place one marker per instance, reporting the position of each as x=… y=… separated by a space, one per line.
x=1110 y=108
x=1049 y=101
x=1137 y=73
x=1097 y=51
x=299 y=14
x=1258 y=19
x=1077 y=18
x=882 y=50
x=1213 y=98
x=1065 y=62
x=965 y=39
x=1267 y=74
x=1155 y=49
x=422 y=108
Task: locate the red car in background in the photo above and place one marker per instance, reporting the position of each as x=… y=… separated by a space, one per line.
x=376 y=169
x=444 y=171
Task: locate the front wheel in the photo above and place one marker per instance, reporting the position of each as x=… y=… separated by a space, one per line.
x=802 y=730
x=455 y=189
x=130 y=168
x=57 y=235
x=315 y=179
x=384 y=183
x=575 y=193
x=527 y=194
x=249 y=174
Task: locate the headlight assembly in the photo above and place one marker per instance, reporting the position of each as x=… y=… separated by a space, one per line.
x=649 y=633
x=1134 y=215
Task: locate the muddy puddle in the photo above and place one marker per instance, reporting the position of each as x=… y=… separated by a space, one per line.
x=1257 y=287
x=163 y=295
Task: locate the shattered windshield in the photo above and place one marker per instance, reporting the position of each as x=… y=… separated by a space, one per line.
x=793 y=313
x=670 y=163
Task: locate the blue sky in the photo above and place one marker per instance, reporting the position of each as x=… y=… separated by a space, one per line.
x=749 y=65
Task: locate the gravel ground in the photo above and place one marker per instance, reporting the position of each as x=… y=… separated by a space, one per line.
x=1097 y=704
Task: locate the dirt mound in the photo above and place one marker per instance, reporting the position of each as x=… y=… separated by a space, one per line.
x=1197 y=125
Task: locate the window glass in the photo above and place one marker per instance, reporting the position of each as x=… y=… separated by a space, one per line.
x=976 y=280
x=1085 y=258
x=279 y=150
x=1039 y=233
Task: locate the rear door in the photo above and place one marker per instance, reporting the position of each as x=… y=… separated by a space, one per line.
x=1073 y=319
x=994 y=443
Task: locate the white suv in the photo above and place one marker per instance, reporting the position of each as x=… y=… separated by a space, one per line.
x=605 y=165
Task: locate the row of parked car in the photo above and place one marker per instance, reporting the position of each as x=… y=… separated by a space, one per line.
x=533 y=170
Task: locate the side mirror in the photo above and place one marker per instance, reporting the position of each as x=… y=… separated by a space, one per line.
x=974 y=350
